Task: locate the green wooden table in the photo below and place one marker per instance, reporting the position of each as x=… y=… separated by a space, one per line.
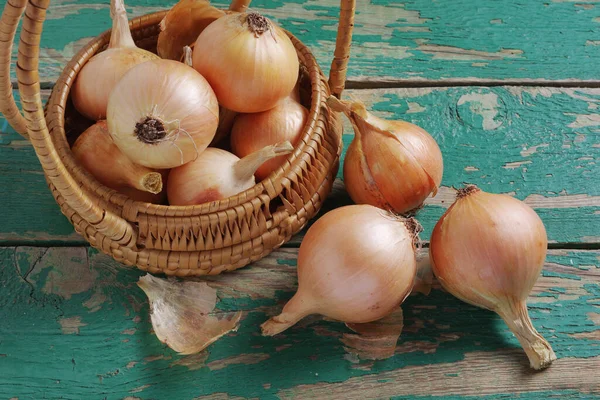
x=510 y=89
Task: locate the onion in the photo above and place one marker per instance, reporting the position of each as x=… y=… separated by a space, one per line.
x=356 y=264
x=217 y=174
x=101 y=73
x=393 y=165
x=96 y=152
x=250 y=62
x=182 y=25
x=251 y=132
x=162 y=114
x=488 y=250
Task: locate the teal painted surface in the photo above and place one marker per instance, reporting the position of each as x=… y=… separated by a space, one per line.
x=475 y=125
x=31 y=214
x=508 y=140
x=414 y=39
x=529 y=142
x=108 y=349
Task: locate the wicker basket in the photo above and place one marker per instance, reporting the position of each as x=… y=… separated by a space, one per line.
x=175 y=240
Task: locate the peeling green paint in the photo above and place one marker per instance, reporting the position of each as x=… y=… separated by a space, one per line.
x=432 y=40
x=128 y=356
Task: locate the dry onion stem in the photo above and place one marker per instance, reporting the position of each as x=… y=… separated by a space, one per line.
x=375 y=340
x=181 y=314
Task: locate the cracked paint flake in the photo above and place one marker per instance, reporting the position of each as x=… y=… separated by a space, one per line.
x=71 y=325
x=247 y=359
x=528 y=151
x=485 y=105
x=440 y=52
x=584 y=120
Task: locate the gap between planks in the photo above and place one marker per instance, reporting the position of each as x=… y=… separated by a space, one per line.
x=451 y=82
x=288 y=245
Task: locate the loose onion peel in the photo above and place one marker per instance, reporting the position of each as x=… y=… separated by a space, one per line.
x=183 y=316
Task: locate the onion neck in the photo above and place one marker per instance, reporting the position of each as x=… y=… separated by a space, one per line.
x=146 y=181
x=120 y=36
x=296 y=309
x=239 y=5
x=245 y=168
x=538 y=350
x=467 y=191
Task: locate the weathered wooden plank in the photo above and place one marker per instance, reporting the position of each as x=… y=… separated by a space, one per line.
x=540 y=144
x=397 y=40
x=75 y=325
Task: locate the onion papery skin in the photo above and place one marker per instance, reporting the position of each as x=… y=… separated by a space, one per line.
x=394 y=165
x=356 y=264
x=249 y=73
x=95 y=81
x=182 y=25
x=251 y=132
x=488 y=250
x=178 y=97
x=209 y=178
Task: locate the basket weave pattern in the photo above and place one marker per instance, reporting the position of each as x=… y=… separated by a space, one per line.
x=177 y=240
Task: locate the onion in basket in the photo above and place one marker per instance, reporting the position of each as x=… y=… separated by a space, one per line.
x=217 y=174
x=162 y=114
x=250 y=62
x=182 y=25
x=101 y=73
x=251 y=132
x=96 y=152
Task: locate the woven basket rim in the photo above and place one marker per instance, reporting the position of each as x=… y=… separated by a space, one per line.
x=266 y=187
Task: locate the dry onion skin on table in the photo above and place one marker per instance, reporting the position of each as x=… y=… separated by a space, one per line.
x=162 y=114
x=488 y=250
x=182 y=25
x=394 y=165
x=183 y=316
x=356 y=264
x=95 y=151
x=250 y=62
x=251 y=132
x=101 y=73
x=217 y=174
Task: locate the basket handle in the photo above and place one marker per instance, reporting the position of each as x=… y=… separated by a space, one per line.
x=8 y=29
x=339 y=65
x=105 y=222
x=341 y=56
